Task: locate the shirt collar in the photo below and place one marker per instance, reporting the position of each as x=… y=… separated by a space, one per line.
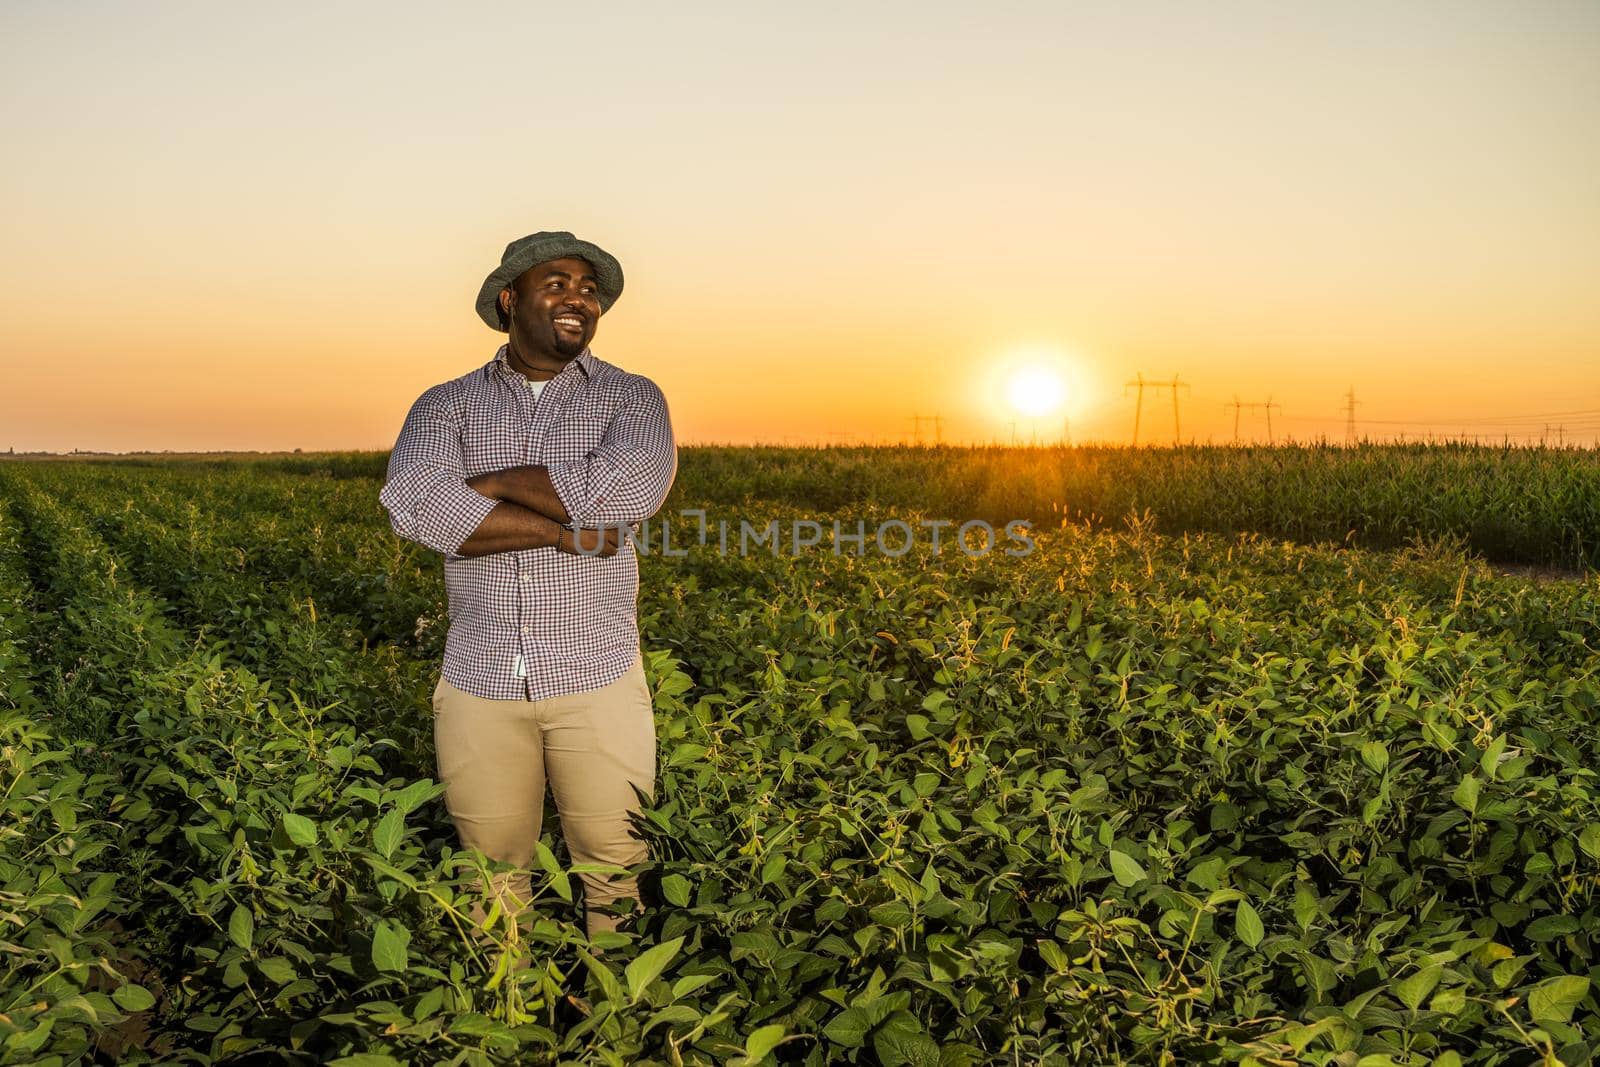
x=586 y=364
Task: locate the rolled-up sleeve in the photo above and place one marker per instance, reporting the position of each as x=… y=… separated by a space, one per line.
x=625 y=478
x=426 y=492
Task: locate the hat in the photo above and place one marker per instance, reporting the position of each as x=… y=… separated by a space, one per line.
x=542 y=247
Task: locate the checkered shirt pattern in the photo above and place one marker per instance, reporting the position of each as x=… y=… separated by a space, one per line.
x=535 y=623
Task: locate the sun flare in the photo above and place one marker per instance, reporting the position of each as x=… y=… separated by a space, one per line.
x=1036 y=391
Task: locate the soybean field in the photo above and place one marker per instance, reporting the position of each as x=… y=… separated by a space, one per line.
x=1257 y=756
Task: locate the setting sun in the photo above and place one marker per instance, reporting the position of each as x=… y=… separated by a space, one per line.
x=1036 y=391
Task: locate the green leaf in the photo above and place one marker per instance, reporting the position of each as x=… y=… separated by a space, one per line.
x=1553 y=1000
x=429 y=1004
x=1414 y=990
x=299 y=829
x=900 y=1040
x=1589 y=840
x=602 y=974
x=1248 y=925
x=891 y=913
x=389 y=943
x=132 y=997
x=763 y=1041
x=241 y=926
x=675 y=888
x=407 y=800
x=547 y=860
x=65 y=814
x=1207 y=874
x=474 y=1024
x=1306 y=905
x=686 y=752
x=391 y=828
x=559 y=880
x=1375 y=754
x=648 y=967
x=1466 y=794
x=277 y=969
x=851 y=1026
x=689 y=983
x=366 y=1059
x=1449 y=1001
x=1491 y=755
x=1321 y=976
x=672 y=1013
x=1125 y=869
x=1550 y=927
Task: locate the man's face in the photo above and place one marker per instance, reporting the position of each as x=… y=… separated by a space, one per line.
x=555 y=306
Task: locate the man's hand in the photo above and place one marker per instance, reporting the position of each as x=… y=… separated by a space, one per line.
x=586 y=542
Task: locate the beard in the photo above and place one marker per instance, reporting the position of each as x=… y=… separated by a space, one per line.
x=567 y=346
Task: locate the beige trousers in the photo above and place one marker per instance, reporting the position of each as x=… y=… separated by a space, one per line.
x=495 y=757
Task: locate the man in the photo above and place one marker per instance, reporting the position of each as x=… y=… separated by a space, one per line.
x=522 y=475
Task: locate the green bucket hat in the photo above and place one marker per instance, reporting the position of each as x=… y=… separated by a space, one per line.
x=542 y=247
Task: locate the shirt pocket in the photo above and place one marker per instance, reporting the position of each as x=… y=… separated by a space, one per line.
x=576 y=432
x=492 y=437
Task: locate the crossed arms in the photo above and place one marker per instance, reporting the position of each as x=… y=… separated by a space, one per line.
x=576 y=506
x=530 y=514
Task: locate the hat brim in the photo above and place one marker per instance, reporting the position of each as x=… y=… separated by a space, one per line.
x=607 y=272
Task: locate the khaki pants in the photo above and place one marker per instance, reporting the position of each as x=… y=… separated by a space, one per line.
x=495 y=757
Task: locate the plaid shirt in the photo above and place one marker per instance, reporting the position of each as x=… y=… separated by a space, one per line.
x=535 y=623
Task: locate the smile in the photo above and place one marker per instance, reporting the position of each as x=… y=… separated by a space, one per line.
x=571 y=322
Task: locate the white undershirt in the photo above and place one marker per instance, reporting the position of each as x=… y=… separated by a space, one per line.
x=537 y=387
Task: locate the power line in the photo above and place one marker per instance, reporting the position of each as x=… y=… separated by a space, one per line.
x=1470 y=420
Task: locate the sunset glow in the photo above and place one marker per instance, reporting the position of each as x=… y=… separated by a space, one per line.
x=1036 y=392
x=233 y=228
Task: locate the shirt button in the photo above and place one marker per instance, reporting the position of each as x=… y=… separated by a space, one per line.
x=527 y=577
x=527 y=629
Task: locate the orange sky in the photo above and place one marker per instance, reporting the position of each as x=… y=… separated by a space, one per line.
x=254 y=229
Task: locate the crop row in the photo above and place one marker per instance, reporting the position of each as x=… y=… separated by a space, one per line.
x=278 y=898
x=56 y=992
x=1509 y=504
x=1131 y=797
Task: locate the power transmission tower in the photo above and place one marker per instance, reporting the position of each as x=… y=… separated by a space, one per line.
x=936 y=421
x=1235 y=405
x=1350 y=416
x=1252 y=406
x=1141 y=384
